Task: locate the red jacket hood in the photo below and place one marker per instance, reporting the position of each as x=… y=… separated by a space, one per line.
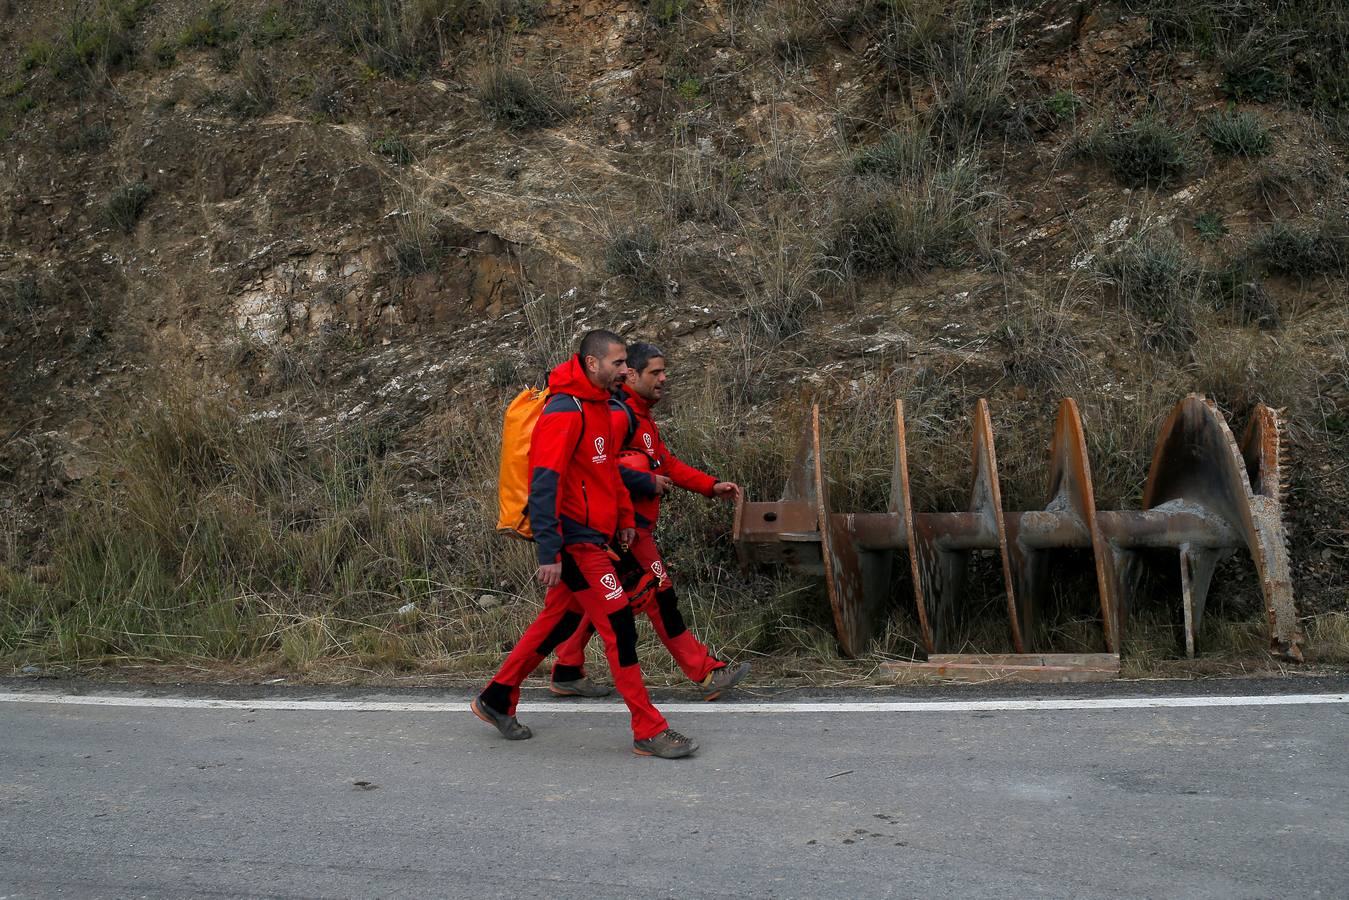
x=570 y=378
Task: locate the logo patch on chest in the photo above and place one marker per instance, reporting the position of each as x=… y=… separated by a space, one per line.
x=600 y=456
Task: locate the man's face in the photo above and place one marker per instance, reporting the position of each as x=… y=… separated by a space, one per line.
x=608 y=371
x=650 y=382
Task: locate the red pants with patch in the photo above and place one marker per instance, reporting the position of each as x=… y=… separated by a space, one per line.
x=642 y=570
x=590 y=591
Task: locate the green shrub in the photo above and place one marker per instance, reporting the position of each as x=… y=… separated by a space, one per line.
x=689 y=88
x=905 y=209
x=908 y=228
x=126 y=205
x=1239 y=290
x=37 y=55
x=1145 y=153
x=1063 y=104
x=1255 y=83
x=899 y=156
x=99 y=34
x=970 y=85
x=214 y=28
x=399 y=36
x=517 y=99
x=1210 y=226
x=917 y=34
x=1302 y=253
x=164 y=53
x=273 y=26
x=665 y=12
x=1238 y=134
x=390 y=146
x=1158 y=284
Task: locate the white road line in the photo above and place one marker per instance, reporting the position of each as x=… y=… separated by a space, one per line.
x=570 y=707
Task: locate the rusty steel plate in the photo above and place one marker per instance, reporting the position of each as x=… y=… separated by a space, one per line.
x=1197 y=461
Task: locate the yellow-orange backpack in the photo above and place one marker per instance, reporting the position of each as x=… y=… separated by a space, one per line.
x=517 y=432
x=513 y=477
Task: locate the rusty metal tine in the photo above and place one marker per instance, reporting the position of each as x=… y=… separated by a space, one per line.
x=1070 y=477
x=986 y=499
x=901 y=503
x=838 y=551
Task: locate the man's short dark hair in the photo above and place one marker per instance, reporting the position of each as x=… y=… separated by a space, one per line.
x=639 y=354
x=594 y=343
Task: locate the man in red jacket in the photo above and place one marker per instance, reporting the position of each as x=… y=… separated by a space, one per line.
x=577 y=507
x=649 y=472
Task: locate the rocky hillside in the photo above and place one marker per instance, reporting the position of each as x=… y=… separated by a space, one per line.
x=243 y=238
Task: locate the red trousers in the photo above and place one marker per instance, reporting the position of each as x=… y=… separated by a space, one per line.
x=590 y=590
x=642 y=564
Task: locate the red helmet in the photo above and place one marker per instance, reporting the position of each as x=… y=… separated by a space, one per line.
x=634 y=459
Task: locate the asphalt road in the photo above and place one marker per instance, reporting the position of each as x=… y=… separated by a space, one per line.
x=133 y=801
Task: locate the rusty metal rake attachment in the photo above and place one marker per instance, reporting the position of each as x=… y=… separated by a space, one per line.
x=1206 y=498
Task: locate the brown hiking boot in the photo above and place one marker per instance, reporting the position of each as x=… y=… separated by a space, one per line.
x=719 y=681
x=669 y=744
x=509 y=726
x=580 y=687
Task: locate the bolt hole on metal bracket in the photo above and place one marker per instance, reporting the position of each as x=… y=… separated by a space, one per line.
x=1207 y=497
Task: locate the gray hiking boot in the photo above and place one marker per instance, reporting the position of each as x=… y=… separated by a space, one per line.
x=581 y=687
x=719 y=681
x=669 y=744
x=509 y=726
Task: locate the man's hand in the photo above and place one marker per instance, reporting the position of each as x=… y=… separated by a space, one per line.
x=627 y=537
x=550 y=575
x=664 y=484
x=726 y=490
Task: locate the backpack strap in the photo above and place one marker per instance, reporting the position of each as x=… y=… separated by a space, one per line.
x=632 y=420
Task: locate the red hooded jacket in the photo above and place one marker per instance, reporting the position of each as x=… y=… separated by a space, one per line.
x=646 y=438
x=575 y=493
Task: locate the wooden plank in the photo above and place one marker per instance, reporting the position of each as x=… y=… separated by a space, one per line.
x=983 y=672
x=1091 y=660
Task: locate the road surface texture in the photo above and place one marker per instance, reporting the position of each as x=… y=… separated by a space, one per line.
x=376 y=795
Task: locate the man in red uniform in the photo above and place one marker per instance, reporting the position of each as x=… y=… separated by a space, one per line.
x=650 y=471
x=577 y=507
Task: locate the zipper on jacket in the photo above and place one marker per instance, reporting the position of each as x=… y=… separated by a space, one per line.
x=586 y=498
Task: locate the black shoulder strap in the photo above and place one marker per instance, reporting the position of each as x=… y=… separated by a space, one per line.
x=632 y=420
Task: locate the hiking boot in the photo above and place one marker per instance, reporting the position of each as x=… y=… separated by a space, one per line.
x=581 y=687
x=509 y=726
x=669 y=744
x=719 y=681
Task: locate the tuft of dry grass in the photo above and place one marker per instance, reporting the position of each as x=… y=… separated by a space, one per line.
x=906 y=207
x=519 y=99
